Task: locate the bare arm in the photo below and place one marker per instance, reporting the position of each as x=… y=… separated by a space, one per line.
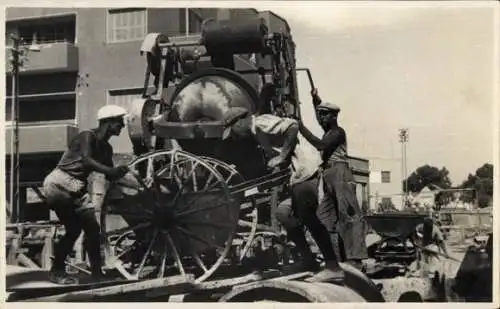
x=86 y=143
x=269 y=126
x=330 y=141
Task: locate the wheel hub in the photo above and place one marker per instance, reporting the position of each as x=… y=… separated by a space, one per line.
x=164 y=219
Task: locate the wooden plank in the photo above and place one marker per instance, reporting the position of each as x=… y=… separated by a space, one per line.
x=294 y=276
x=47 y=252
x=228 y=283
x=26 y=261
x=151 y=288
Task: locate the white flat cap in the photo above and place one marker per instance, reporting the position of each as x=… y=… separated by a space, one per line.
x=329 y=106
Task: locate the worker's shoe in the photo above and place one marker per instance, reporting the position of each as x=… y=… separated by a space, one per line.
x=358 y=264
x=332 y=273
x=58 y=276
x=98 y=277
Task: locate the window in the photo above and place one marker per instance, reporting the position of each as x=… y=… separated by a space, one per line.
x=386 y=176
x=44 y=30
x=126 y=25
x=124 y=97
x=38 y=110
x=44 y=97
x=44 y=83
x=386 y=200
x=193 y=23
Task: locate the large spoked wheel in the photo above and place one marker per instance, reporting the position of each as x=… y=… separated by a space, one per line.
x=248 y=218
x=181 y=221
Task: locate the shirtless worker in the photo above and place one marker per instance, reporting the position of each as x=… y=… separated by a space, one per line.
x=279 y=138
x=337 y=189
x=66 y=188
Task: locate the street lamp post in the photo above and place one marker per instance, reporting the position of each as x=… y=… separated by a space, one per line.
x=403 y=139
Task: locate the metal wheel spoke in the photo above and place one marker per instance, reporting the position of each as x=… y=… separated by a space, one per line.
x=163 y=263
x=212 y=185
x=209 y=180
x=149 y=168
x=198 y=238
x=117 y=256
x=245 y=223
x=175 y=252
x=128 y=229
x=192 y=211
x=178 y=193
x=199 y=261
x=193 y=175
x=172 y=163
x=230 y=176
x=148 y=252
x=207 y=223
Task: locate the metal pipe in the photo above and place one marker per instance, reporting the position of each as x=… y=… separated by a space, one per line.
x=14 y=153
x=16 y=141
x=186 y=18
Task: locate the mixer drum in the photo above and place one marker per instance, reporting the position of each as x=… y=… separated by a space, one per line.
x=205 y=96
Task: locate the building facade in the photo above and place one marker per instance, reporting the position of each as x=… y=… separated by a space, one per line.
x=386 y=182
x=80 y=59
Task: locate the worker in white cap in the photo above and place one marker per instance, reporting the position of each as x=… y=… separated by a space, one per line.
x=65 y=190
x=338 y=207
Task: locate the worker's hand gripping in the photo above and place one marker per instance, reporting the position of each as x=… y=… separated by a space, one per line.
x=118 y=172
x=277 y=163
x=315 y=97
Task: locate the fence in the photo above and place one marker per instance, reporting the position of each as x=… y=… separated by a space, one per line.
x=461 y=225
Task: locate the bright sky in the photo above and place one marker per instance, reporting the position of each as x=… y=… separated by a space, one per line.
x=428 y=69
x=389 y=66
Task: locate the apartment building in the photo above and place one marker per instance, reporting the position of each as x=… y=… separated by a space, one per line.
x=78 y=60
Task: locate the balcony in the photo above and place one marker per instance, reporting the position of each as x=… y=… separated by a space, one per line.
x=54 y=57
x=41 y=138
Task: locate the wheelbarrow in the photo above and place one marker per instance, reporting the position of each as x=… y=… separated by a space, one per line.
x=396 y=231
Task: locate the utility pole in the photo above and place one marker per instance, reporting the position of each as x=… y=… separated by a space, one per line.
x=403 y=139
x=14 y=153
x=17 y=50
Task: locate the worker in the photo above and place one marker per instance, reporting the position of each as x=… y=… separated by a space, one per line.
x=66 y=188
x=278 y=136
x=431 y=240
x=338 y=209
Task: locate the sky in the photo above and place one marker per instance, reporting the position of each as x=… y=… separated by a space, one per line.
x=389 y=66
x=428 y=69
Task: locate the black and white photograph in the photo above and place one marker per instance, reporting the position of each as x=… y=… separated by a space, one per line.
x=265 y=151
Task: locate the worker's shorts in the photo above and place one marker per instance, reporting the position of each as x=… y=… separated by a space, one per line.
x=62 y=188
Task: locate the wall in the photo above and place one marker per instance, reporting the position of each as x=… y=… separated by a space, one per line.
x=21 y=13
x=391 y=189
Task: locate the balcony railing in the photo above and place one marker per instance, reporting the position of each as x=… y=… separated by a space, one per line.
x=39 y=137
x=50 y=57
